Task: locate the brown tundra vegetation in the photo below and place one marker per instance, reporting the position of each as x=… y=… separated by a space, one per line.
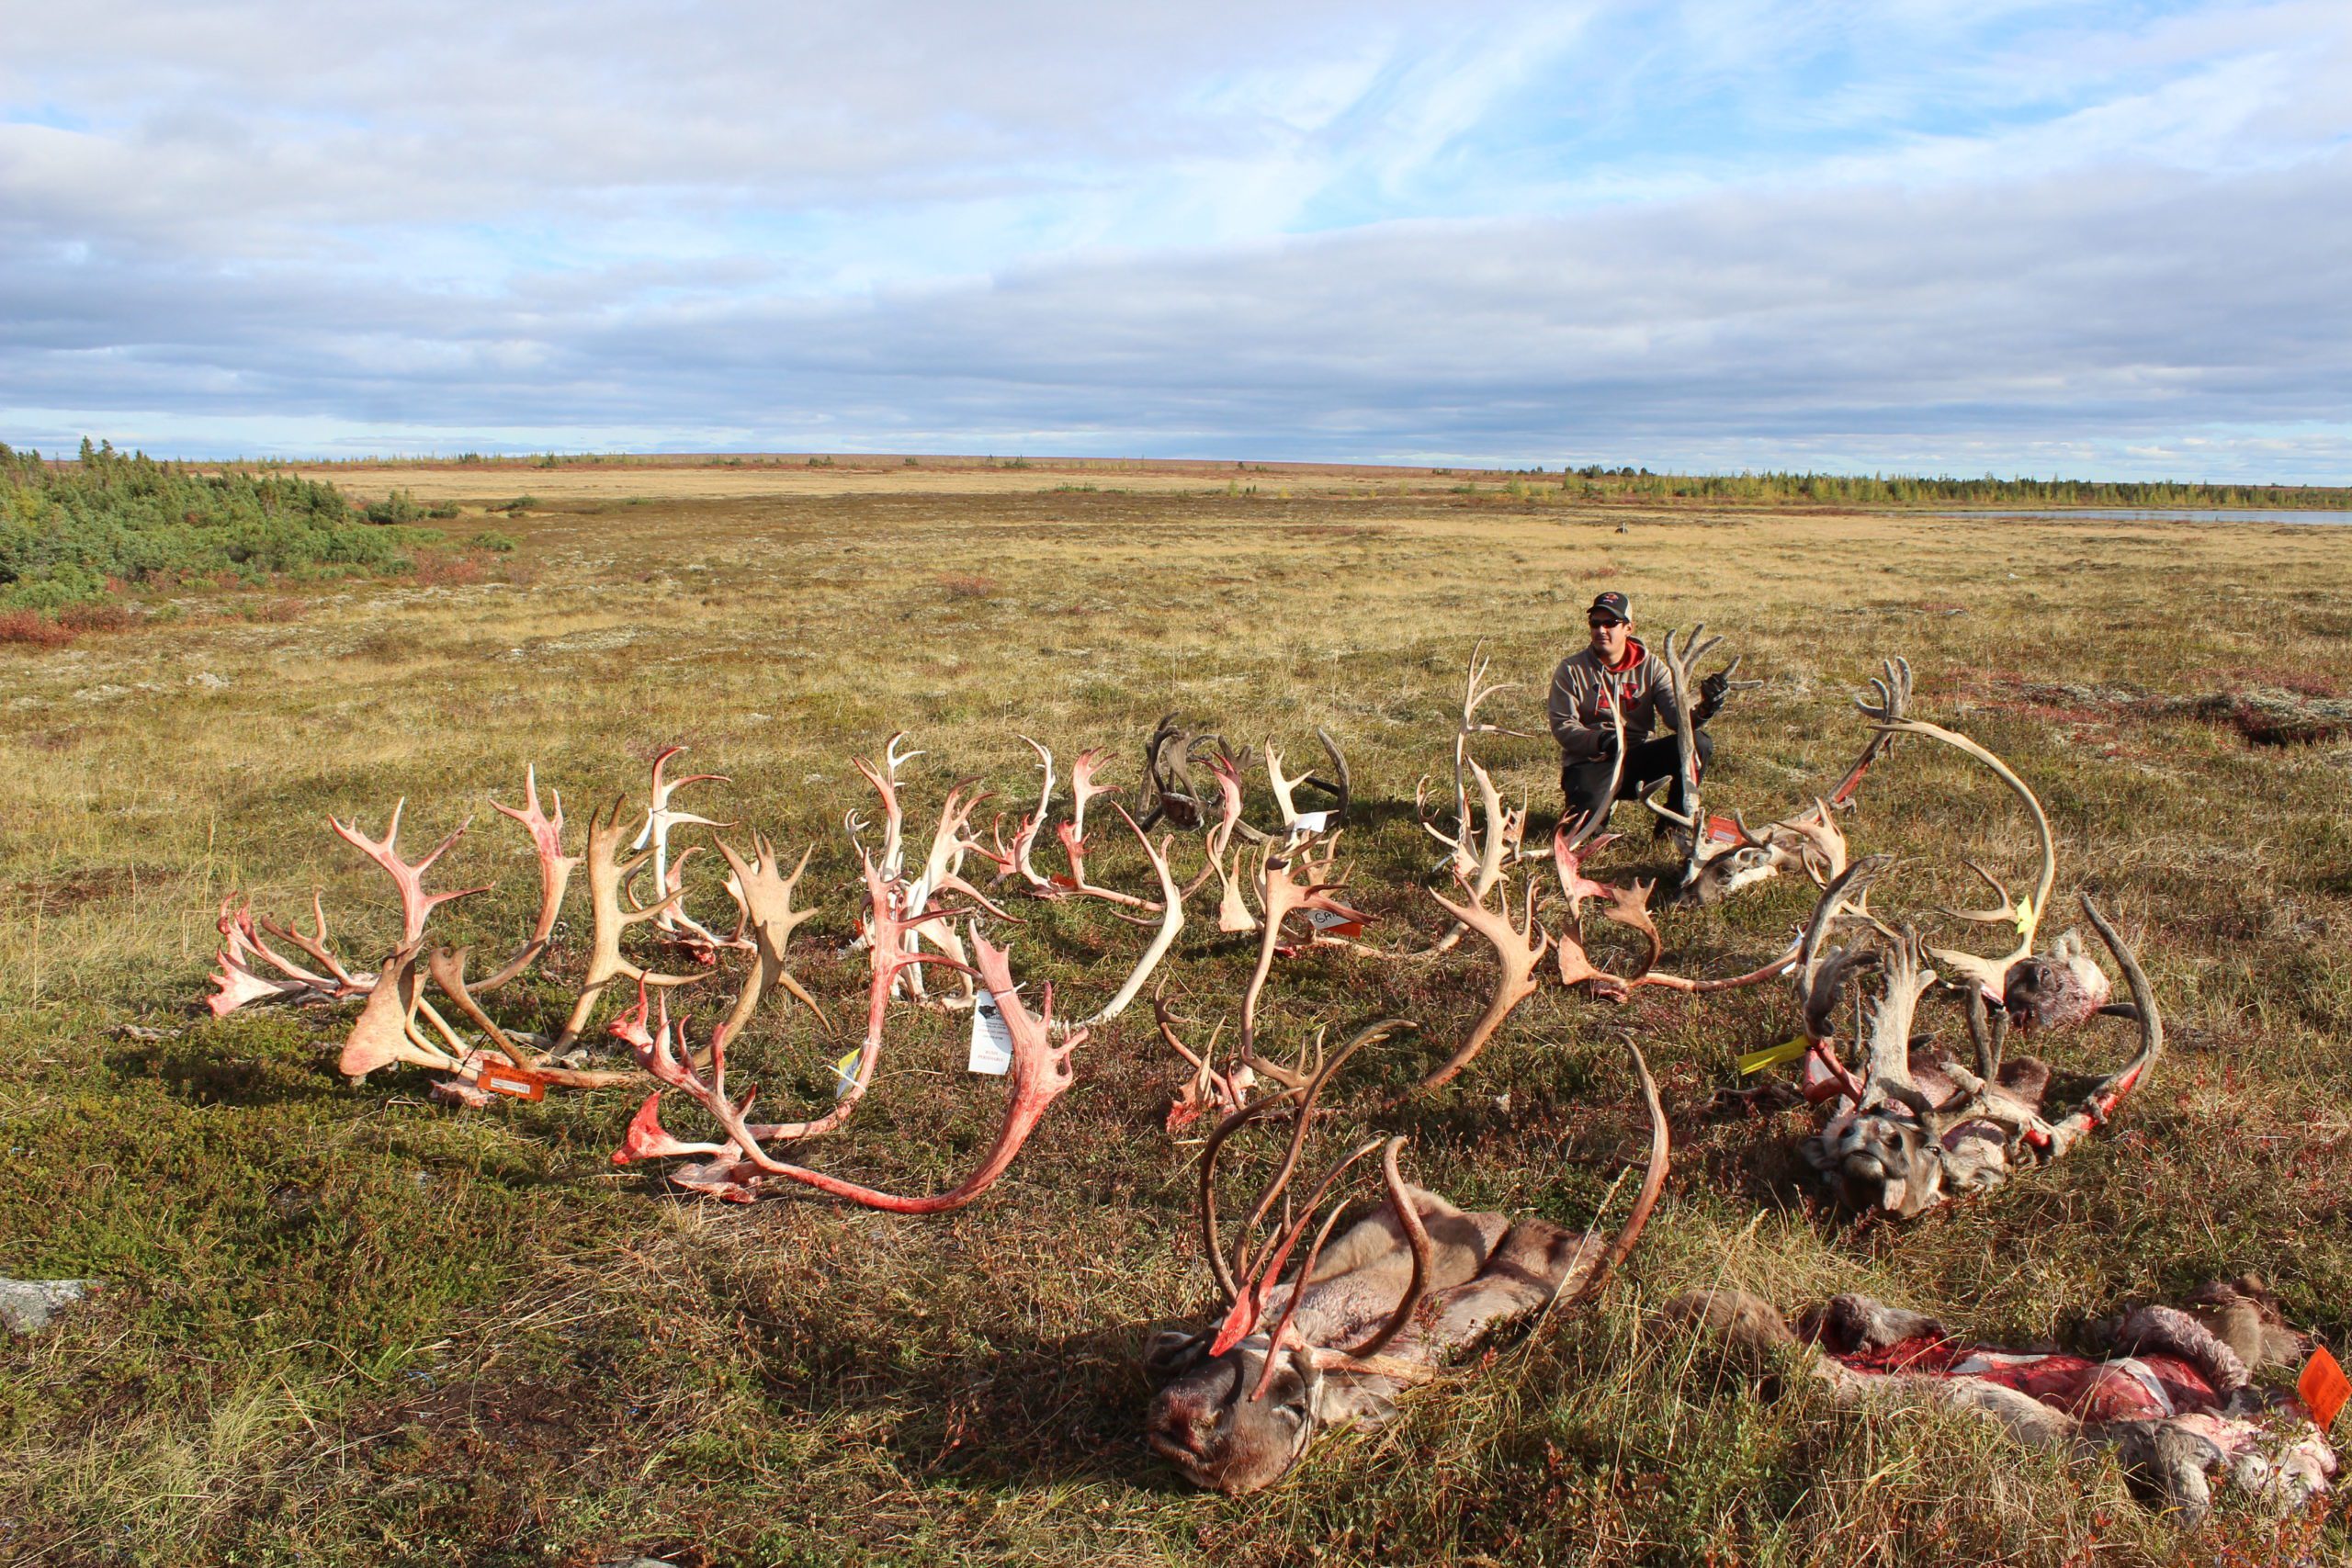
x=341 y=1324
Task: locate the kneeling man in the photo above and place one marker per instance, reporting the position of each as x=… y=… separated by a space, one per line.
x=1614 y=670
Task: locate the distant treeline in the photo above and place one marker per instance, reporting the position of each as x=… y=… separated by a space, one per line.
x=69 y=532
x=1905 y=490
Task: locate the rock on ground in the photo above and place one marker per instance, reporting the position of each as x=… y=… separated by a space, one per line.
x=26 y=1305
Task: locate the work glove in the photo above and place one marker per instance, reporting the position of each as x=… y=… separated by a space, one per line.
x=1714 y=689
x=1607 y=747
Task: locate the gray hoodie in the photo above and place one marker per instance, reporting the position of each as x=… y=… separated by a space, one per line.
x=1582 y=693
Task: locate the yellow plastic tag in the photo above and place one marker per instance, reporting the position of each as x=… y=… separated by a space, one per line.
x=1772 y=1055
x=845 y=1072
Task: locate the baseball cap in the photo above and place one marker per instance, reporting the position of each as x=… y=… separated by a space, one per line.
x=1613 y=603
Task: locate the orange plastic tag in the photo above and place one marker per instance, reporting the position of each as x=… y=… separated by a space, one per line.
x=513 y=1081
x=2323 y=1387
x=1326 y=923
x=1063 y=879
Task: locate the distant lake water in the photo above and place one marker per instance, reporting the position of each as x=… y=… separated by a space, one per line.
x=2142 y=515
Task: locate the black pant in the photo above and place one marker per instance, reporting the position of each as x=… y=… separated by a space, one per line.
x=1585 y=784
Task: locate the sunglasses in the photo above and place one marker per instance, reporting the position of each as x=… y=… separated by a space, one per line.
x=1598 y=622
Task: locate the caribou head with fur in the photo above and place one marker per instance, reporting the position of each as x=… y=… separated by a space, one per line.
x=1363 y=1317
x=1916 y=1127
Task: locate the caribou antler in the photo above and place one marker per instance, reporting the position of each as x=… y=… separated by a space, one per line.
x=1040 y=1073
x=1171 y=920
x=1894 y=697
x=1169 y=757
x=659 y=817
x=1518 y=949
x=764 y=905
x=2023 y=911
x=1476 y=690
x=554 y=875
x=416 y=902
x=1280 y=897
x=607 y=877
x=241 y=983
x=1692 y=818
x=1295 y=823
x=1496 y=845
x=1233 y=915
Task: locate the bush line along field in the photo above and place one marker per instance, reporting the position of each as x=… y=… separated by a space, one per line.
x=78 y=540
x=346 y=1326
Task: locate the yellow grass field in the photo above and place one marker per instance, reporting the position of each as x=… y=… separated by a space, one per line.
x=342 y=1324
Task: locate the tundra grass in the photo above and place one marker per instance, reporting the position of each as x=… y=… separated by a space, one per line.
x=345 y=1326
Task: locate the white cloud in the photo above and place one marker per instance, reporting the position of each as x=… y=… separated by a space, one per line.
x=1902 y=235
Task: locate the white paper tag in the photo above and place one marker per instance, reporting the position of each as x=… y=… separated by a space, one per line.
x=1324 y=920
x=1311 y=822
x=992 y=1039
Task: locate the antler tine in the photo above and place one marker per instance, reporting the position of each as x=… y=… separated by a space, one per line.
x=1894 y=693
x=1266 y=1268
x=884 y=781
x=1171 y=920
x=1593 y=821
x=2025 y=911
x=314 y=946
x=1307 y=1095
x=1281 y=785
x=554 y=875
x=1340 y=791
x=416 y=902
x=1986 y=1037
x=1679 y=819
x=1653 y=1184
x=447 y=968
x=1421 y=811
x=1888 y=1074
x=1846 y=891
x=2100 y=1103
x=1692 y=818
x=2007 y=915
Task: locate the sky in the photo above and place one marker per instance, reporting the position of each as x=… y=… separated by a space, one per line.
x=2107 y=241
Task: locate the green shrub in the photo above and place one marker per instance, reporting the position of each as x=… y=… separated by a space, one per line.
x=69 y=533
x=492 y=540
x=398 y=507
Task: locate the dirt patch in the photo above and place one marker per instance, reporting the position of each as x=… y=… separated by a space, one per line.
x=2264 y=715
x=50 y=896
